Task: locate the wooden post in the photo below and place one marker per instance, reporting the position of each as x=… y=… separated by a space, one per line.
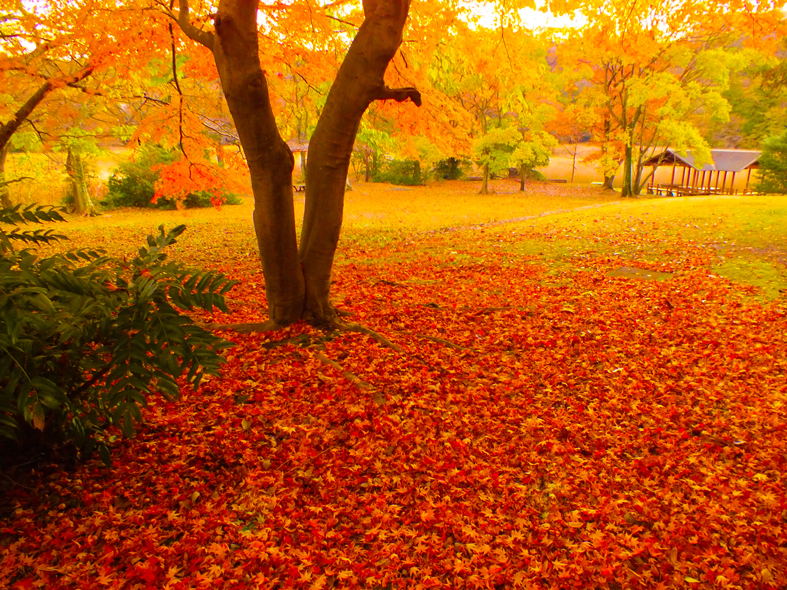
x=672 y=180
x=748 y=178
x=724 y=182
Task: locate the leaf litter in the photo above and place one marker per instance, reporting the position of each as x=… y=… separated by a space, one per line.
x=545 y=425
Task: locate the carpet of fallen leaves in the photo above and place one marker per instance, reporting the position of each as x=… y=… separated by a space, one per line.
x=539 y=424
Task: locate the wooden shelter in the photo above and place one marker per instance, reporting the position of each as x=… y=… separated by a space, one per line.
x=701 y=181
x=301 y=148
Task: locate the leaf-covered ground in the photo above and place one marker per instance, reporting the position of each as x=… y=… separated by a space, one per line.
x=546 y=421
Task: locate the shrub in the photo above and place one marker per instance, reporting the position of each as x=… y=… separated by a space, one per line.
x=401 y=172
x=87 y=338
x=133 y=184
x=450 y=169
x=773 y=165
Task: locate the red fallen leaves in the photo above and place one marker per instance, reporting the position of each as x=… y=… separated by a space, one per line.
x=564 y=430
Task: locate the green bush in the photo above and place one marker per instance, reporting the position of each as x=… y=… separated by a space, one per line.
x=532 y=174
x=773 y=165
x=85 y=338
x=401 y=172
x=450 y=169
x=133 y=184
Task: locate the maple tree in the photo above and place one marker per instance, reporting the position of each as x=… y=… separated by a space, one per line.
x=297 y=279
x=53 y=49
x=498 y=78
x=757 y=99
x=773 y=164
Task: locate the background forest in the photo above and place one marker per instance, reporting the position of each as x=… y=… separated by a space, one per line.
x=87 y=88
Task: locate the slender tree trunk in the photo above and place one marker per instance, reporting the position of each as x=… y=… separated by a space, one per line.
x=358 y=83
x=485 y=184
x=75 y=167
x=626 y=191
x=609 y=178
x=574 y=161
x=522 y=172
x=219 y=153
x=5 y=197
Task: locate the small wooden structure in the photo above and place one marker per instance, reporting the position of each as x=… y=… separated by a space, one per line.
x=301 y=148
x=700 y=181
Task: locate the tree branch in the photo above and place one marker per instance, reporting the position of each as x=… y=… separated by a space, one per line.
x=399 y=94
x=5 y=183
x=192 y=32
x=21 y=115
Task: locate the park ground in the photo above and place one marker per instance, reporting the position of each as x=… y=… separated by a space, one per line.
x=579 y=393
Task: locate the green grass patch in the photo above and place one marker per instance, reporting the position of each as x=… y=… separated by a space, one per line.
x=771 y=280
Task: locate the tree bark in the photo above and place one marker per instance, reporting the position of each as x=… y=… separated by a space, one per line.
x=358 y=83
x=522 y=172
x=626 y=190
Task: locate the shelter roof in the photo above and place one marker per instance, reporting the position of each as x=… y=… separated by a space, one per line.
x=724 y=160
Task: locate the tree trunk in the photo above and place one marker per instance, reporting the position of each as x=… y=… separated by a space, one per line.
x=5 y=197
x=609 y=179
x=522 y=172
x=78 y=189
x=236 y=51
x=358 y=83
x=485 y=184
x=297 y=281
x=627 y=190
x=574 y=162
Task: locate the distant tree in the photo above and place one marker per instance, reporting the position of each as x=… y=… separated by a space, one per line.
x=773 y=164
x=758 y=101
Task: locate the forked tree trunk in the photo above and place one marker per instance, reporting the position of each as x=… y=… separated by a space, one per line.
x=297 y=281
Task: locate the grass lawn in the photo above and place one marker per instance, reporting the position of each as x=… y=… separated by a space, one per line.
x=588 y=393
